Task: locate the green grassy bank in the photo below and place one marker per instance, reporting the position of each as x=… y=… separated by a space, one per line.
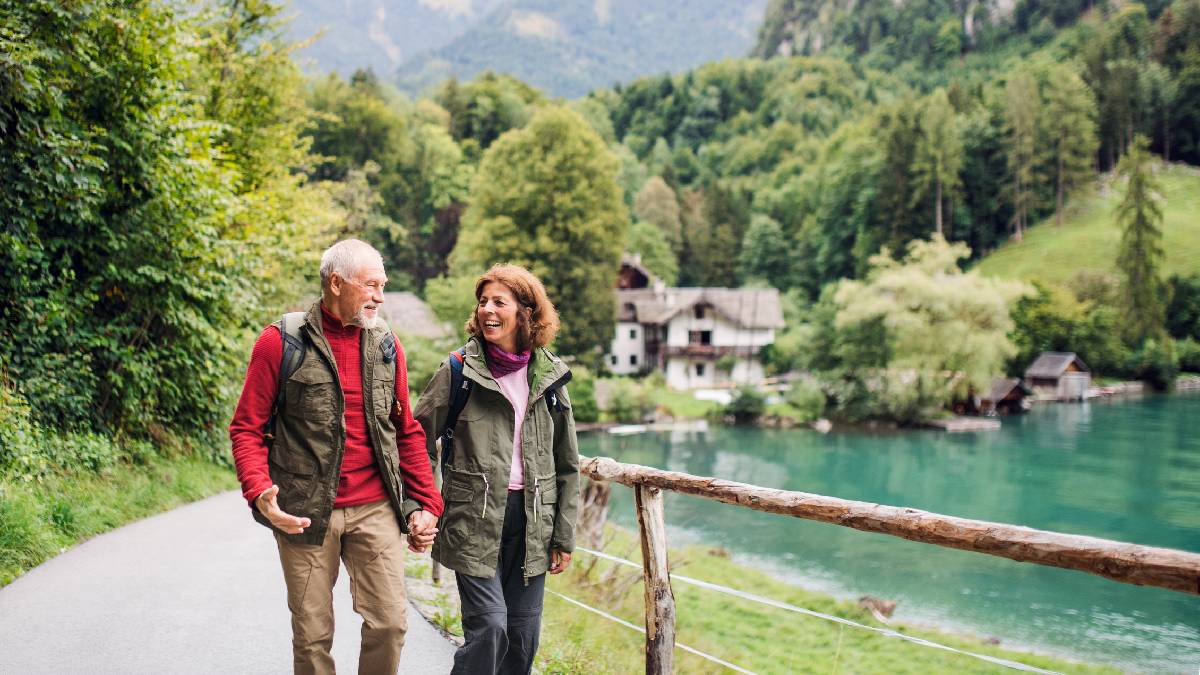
x=60 y=488
x=1089 y=238
x=750 y=635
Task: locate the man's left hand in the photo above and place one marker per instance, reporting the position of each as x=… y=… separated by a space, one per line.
x=559 y=560
x=422 y=528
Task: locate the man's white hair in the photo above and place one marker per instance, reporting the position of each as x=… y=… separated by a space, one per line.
x=346 y=258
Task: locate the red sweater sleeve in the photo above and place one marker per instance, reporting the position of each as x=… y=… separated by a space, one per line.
x=253 y=410
x=415 y=470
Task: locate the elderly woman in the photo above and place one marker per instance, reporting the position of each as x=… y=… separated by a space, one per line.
x=511 y=470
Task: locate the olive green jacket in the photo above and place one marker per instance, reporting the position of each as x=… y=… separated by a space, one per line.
x=305 y=459
x=475 y=484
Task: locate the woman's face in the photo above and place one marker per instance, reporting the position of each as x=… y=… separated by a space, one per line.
x=496 y=314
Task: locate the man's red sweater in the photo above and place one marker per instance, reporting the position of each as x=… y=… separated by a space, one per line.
x=359 y=482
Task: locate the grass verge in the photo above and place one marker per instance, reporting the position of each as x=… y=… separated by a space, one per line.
x=44 y=517
x=756 y=637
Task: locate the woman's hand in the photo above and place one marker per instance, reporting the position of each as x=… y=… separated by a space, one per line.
x=559 y=560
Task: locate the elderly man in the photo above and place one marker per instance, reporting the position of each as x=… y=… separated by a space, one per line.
x=331 y=460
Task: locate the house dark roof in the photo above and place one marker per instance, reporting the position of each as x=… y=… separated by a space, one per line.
x=407 y=314
x=746 y=307
x=1051 y=365
x=1001 y=387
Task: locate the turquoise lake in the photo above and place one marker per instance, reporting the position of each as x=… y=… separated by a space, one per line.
x=1127 y=470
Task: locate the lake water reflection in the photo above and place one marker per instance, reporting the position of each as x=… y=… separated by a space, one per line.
x=1124 y=470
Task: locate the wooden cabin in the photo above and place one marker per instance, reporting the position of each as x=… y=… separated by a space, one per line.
x=1059 y=376
x=1007 y=396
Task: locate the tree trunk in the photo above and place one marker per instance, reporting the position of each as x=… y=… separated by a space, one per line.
x=660 y=600
x=938 y=208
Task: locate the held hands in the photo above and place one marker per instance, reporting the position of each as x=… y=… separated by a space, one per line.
x=559 y=560
x=422 y=528
x=283 y=521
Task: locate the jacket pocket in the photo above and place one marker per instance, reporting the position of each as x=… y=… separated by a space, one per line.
x=545 y=509
x=383 y=390
x=310 y=392
x=465 y=494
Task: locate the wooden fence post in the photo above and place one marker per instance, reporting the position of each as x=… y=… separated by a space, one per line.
x=660 y=601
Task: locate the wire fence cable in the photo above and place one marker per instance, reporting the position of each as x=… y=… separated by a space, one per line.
x=623 y=622
x=828 y=617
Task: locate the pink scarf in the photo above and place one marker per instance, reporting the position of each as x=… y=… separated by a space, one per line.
x=502 y=363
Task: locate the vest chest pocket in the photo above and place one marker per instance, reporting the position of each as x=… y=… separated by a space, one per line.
x=310 y=394
x=383 y=390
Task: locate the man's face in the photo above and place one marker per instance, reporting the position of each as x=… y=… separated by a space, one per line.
x=356 y=300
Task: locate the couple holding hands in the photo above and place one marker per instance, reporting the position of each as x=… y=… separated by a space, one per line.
x=334 y=460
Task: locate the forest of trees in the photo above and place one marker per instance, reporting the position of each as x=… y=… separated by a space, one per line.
x=170 y=178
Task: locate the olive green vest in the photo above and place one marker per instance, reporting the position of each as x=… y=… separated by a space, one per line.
x=305 y=458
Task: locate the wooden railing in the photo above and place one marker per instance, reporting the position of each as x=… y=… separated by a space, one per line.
x=1127 y=563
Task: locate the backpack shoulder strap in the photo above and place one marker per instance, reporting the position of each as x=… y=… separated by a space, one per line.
x=460 y=391
x=291 y=331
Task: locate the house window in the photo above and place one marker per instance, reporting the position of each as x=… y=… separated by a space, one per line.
x=632 y=333
x=699 y=370
x=613 y=359
x=699 y=337
x=699 y=311
x=633 y=359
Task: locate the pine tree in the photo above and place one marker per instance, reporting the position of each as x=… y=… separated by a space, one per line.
x=1141 y=254
x=939 y=155
x=1070 y=131
x=656 y=203
x=1021 y=113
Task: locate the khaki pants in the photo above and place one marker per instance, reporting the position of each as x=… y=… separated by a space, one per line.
x=368 y=539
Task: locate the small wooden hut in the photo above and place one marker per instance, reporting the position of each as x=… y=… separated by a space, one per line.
x=1007 y=396
x=1059 y=376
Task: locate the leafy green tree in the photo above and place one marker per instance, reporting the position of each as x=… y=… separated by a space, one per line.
x=656 y=203
x=764 y=255
x=546 y=197
x=1139 y=215
x=950 y=326
x=1183 y=313
x=1022 y=110
x=1068 y=126
x=939 y=154
x=137 y=245
x=647 y=241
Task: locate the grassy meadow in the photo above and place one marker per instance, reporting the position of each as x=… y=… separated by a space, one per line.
x=1089 y=237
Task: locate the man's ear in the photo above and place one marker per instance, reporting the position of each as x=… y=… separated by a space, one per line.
x=335 y=283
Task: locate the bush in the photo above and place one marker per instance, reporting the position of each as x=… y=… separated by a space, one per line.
x=808 y=400
x=1156 y=363
x=903 y=397
x=1188 y=352
x=582 y=391
x=747 y=406
x=628 y=401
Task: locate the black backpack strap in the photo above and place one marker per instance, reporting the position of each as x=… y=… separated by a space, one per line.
x=291 y=331
x=460 y=391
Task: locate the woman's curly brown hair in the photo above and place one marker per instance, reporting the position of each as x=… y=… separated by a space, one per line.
x=537 y=320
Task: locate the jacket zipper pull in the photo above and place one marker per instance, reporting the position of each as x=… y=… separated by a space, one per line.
x=486 y=493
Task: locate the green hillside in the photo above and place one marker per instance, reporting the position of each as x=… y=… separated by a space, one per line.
x=1088 y=237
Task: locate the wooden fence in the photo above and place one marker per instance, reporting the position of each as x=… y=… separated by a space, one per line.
x=1127 y=563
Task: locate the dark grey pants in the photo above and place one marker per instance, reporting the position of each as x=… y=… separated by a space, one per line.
x=501 y=615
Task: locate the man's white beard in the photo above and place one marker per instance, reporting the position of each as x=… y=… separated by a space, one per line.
x=360 y=319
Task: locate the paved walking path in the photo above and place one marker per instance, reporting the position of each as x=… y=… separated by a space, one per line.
x=194 y=590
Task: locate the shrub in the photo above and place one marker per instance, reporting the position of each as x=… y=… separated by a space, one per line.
x=628 y=401
x=808 y=400
x=582 y=391
x=1189 y=355
x=1156 y=363
x=747 y=406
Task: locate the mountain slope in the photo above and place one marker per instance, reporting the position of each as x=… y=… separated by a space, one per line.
x=568 y=47
x=1088 y=238
x=379 y=34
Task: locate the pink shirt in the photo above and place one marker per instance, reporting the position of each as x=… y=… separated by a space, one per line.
x=515 y=387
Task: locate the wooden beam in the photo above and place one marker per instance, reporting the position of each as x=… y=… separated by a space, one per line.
x=1119 y=561
x=656 y=580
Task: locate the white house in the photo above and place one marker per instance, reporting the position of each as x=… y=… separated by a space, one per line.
x=699 y=337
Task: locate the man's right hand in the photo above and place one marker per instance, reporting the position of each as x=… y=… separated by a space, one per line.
x=284 y=522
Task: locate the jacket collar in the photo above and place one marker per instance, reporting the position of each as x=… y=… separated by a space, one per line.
x=545 y=369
